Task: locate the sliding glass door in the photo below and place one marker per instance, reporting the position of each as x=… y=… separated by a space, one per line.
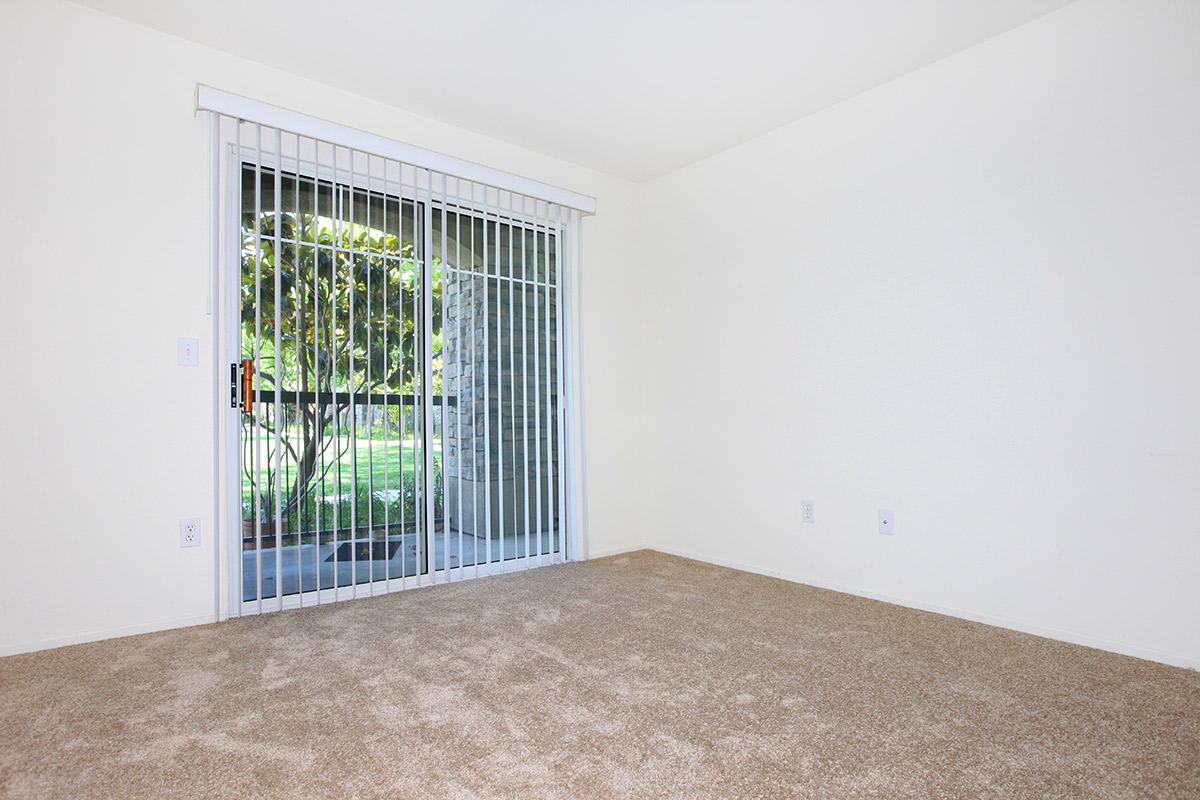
x=399 y=381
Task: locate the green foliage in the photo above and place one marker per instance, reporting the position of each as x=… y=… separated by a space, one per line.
x=349 y=308
x=349 y=314
x=338 y=504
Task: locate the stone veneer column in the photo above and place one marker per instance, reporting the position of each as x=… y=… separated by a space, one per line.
x=463 y=378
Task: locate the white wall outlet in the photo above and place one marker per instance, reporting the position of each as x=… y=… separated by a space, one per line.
x=189 y=532
x=808 y=514
x=189 y=352
x=887 y=521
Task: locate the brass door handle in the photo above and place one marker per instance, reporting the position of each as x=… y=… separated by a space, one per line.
x=248 y=385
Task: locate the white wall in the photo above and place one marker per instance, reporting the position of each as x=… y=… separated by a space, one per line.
x=972 y=296
x=104 y=218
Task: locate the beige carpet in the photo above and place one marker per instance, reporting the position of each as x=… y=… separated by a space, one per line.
x=633 y=676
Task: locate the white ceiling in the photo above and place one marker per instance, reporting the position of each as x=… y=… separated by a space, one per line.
x=635 y=88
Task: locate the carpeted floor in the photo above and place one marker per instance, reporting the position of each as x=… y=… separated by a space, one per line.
x=634 y=676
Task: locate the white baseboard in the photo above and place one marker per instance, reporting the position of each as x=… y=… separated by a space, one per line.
x=1136 y=651
x=96 y=636
x=618 y=551
x=1070 y=637
x=30 y=646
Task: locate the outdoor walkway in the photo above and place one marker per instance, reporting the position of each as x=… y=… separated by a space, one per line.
x=395 y=557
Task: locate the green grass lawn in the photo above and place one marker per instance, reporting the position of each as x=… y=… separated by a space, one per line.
x=393 y=465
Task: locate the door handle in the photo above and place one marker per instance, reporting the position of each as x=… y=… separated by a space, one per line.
x=248 y=385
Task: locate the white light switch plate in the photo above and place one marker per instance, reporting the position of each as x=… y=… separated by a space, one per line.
x=887 y=521
x=189 y=352
x=808 y=513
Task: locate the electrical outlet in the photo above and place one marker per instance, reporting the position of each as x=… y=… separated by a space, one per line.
x=188 y=352
x=887 y=521
x=189 y=532
x=807 y=513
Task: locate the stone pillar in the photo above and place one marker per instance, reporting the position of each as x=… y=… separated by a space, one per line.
x=510 y=375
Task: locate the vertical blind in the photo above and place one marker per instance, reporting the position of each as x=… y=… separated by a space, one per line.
x=399 y=363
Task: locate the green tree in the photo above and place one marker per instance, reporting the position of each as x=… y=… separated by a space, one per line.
x=348 y=323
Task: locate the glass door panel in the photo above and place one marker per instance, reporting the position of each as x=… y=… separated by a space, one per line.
x=332 y=452
x=497 y=356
